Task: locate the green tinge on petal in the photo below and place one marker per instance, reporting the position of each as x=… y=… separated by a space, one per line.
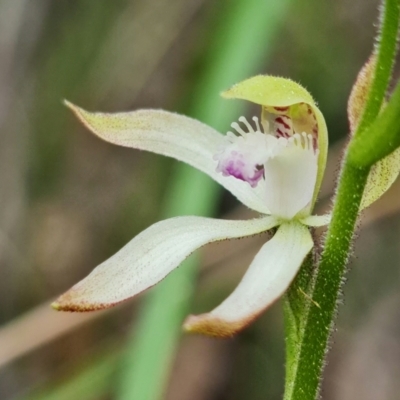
x=271 y=91
x=380 y=178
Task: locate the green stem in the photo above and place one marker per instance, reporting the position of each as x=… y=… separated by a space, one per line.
x=386 y=52
x=311 y=304
x=376 y=138
x=316 y=321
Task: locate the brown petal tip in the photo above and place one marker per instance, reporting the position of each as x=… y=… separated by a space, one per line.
x=209 y=325
x=69 y=301
x=60 y=306
x=70 y=307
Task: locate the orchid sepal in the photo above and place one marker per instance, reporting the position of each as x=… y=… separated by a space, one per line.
x=150 y=256
x=274 y=168
x=267 y=278
x=172 y=135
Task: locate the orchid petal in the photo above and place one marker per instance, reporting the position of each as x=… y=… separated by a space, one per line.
x=380 y=178
x=270 y=91
x=149 y=257
x=316 y=220
x=290 y=180
x=268 y=277
x=173 y=135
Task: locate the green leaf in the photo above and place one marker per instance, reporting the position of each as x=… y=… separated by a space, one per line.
x=385 y=171
x=380 y=178
x=381 y=138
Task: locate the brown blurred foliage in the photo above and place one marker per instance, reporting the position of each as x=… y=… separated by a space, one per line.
x=67 y=200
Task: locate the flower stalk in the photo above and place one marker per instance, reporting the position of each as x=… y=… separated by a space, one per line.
x=310 y=319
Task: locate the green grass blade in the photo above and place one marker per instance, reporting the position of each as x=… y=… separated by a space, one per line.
x=243 y=40
x=90 y=382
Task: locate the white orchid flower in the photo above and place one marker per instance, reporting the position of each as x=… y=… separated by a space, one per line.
x=273 y=166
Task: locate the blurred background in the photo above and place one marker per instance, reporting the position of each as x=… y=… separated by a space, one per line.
x=69 y=200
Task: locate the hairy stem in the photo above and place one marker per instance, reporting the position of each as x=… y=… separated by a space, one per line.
x=311 y=304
